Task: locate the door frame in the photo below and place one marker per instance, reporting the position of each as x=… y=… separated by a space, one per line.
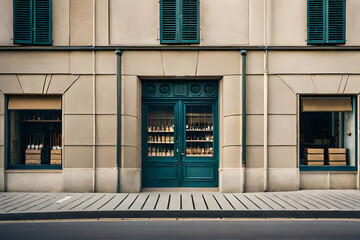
x=180 y=140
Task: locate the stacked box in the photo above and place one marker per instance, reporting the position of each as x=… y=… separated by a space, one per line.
x=314 y=156
x=337 y=156
x=32 y=157
x=55 y=157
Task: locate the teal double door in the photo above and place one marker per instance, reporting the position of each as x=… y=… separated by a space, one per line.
x=180 y=143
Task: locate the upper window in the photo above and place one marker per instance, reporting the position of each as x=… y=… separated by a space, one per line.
x=328 y=133
x=326 y=21
x=179 y=21
x=32 y=22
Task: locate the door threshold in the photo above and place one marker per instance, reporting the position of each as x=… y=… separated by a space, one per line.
x=180 y=189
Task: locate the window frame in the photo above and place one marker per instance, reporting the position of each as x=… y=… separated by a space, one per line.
x=328 y=168
x=7 y=146
x=325 y=20
x=33 y=16
x=179 y=33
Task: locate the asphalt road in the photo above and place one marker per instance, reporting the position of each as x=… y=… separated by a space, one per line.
x=171 y=230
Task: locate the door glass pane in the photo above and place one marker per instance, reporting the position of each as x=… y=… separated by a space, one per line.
x=199 y=131
x=160 y=131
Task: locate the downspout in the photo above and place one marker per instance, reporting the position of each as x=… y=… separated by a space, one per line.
x=118 y=108
x=265 y=101
x=94 y=100
x=243 y=54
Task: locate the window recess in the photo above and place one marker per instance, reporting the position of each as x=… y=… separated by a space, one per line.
x=328 y=133
x=34 y=132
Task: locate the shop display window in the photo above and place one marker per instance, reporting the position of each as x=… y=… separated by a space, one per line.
x=161 y=131
x=199 y=131
x=34 y=131
x=328 y=132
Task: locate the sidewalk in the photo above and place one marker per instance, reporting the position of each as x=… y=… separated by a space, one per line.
x=299 y=204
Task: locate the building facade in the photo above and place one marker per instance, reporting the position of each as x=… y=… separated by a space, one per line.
x=227 y=95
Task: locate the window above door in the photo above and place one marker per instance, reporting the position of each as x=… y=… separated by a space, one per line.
x=326 y=21
x=179 y=21
x=33 y=22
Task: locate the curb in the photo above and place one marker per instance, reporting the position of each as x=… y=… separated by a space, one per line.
x=181 y=214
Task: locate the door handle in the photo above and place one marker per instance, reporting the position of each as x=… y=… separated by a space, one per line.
x=182 y=154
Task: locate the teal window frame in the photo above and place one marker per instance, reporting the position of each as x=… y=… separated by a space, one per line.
x=177 y=27
x=328 y=168
x=7 y=145
x=32 y=22
x=319 y=22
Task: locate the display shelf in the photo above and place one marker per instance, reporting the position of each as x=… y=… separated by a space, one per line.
x=160 y=131
x=199 y=155
x=200 y=141
x=188 y=130
x=160 y=119
x=199 y=114
x=160 y=142
x=41 y=121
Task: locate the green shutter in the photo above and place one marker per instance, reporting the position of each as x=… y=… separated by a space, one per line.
x=189 y=24
x=169 y=23
x=316 y=21
x=23 y=21
x=335 y=21
x=42 y=22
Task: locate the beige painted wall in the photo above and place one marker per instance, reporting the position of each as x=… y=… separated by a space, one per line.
x=6 y=22
x=70 y=74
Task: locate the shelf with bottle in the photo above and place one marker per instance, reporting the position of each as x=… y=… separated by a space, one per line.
x=41 y=116
x=189 y=114
x=160 y=151
x=161 y=118
x=41 y=121
x=199 y=137
x=200 y=141
x=199 y=151
x=205 y=127
x=161 y=139
x=161 y=128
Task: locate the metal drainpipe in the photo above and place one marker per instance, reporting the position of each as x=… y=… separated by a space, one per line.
x=243 y=54
x=118 y=129
x=265 y=101
x=94 y=98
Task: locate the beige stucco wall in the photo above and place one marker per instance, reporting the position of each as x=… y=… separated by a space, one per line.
x=90 y=100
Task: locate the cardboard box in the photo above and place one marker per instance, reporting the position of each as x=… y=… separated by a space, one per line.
x=55 y=162
x=32 y=157
x=337 y=154
x=337 y=157
x=315 y=157
x=314 y=150
x=337 y=150
x=315 y=163
x=55 y=157
x=337 y=163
